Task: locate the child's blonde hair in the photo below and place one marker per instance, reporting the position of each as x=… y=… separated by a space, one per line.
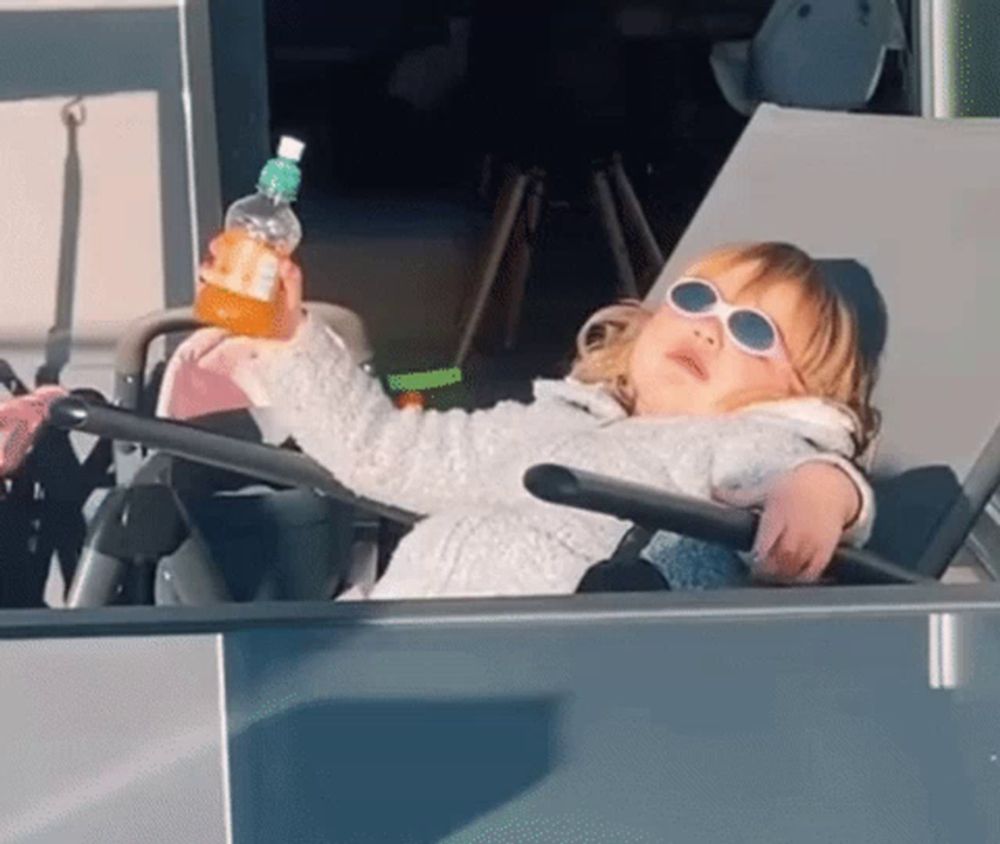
x=831 y=366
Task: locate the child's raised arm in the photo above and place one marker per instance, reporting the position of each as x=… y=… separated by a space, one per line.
x=340 y=416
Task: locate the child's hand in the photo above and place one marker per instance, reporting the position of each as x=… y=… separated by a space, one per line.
x=21 y=420
x=199 y=378
x=805 y=513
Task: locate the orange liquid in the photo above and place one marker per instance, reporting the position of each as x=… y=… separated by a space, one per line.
x=236 y=313
x=231 y=296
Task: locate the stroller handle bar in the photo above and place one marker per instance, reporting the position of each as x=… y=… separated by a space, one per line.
x=130 y=354
x=655 y=510
x=264 y=462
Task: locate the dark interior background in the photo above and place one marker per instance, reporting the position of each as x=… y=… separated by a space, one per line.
x=401 y=102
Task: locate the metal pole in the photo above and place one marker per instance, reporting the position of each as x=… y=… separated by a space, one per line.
x=269 y=463
x=633 y=208
x=522 y=256
x=508 y=209
x=616 y=238
x=935 y=21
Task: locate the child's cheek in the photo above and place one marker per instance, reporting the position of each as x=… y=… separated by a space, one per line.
x=753 y=371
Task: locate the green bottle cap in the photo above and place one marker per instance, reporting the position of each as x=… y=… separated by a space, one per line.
x=281 y=176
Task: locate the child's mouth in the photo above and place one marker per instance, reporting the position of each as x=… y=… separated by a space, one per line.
x=691 y=364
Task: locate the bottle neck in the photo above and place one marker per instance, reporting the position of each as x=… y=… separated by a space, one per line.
x=275 y=197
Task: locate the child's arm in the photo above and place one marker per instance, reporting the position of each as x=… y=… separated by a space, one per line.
x=417 y=460
x=806 y=514
x=849 y=486
x=819 y=502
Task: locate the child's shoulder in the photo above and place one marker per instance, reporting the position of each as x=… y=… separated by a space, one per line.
x=825 y=425
x=569 y=393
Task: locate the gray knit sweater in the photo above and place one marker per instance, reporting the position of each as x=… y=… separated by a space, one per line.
x=485 y=534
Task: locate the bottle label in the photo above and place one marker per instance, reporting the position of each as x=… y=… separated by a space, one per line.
x=244 y=265
x=265 y=279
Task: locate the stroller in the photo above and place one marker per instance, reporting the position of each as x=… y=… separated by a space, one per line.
x=42 y=505
x=932 y=481
x=202 y=529
x=205 y=529
x=171 y=531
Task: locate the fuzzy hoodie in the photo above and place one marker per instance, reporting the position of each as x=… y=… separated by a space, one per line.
x=484 y=534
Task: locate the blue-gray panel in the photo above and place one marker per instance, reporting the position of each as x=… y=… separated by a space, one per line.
x=577 y=727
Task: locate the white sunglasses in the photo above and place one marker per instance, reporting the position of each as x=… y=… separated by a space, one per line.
x=750 y=329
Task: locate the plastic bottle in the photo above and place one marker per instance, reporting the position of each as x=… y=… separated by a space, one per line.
x=241 y=290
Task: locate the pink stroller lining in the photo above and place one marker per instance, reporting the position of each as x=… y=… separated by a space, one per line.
x=21 y=420
x=189 y=390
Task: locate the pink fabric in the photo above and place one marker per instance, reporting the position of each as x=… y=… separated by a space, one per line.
x=21 y=420
x=197 y=392
x=190 y=388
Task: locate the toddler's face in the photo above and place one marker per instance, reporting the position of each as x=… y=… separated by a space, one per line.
x=689 y=365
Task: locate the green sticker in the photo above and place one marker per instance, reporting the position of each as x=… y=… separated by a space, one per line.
x=430 y=380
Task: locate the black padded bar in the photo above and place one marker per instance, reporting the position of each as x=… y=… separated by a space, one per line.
x=266 y=462
x=656 y=510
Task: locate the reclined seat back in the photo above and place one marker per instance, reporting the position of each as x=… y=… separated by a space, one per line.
x=910 y=204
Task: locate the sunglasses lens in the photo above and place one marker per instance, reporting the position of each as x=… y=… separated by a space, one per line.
x=693 y=297
x=752 y=330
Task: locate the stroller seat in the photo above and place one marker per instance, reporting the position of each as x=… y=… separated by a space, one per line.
x=235 y=538
x=267 y=542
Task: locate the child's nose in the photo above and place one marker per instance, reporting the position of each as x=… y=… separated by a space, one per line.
x=709 y=331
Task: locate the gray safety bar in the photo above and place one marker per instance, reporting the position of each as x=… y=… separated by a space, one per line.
x=265 y=462
x=645 y=506
x=657 y=510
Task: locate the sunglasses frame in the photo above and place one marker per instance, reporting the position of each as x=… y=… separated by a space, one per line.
x=722 y=310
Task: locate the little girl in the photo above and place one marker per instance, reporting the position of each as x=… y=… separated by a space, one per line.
x=746 y=384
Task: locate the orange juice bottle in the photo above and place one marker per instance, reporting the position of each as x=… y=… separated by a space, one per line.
x=240 y=290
